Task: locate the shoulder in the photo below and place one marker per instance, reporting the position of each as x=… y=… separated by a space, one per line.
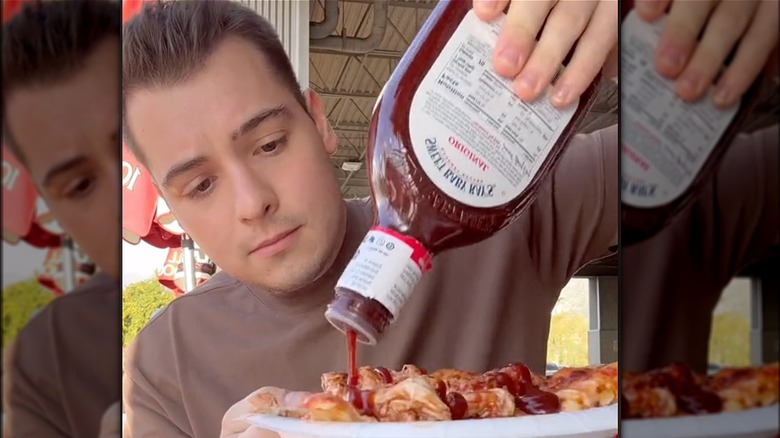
x=60 y=317
x=157 y=339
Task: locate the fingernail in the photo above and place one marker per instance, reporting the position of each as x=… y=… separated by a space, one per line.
x=510 y=55
x=647 y=5
x=561 y=97
x=672 y=58
x=689 y=85
x=528 y=81
x=723 y=97
x=486 y=5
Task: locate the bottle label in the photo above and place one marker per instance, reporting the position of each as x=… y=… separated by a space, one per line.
x=386 y=267
x=664 y=141
x=474 y=138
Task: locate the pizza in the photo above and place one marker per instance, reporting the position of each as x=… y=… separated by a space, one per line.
x=377 y=394
x=676 y=391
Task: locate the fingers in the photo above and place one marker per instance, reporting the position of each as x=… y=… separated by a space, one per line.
x=678 y=39
x=564 y=26
x=651 y=10
x=598 y=40
x=752 y=53
x=726 y=25
x=234 y=427
x=488 y=10
x=110 y=422
x=518 y=35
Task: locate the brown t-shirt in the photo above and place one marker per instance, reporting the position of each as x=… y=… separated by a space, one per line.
x=672 y=282
x=480 y=307
x=62 y=371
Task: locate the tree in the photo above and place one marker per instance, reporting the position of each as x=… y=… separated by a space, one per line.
x=568 y=341
x=141 y=301
x=730 y=340
x=20 y=302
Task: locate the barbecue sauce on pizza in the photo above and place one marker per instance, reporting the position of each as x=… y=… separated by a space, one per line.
x=528 y=398
x=668 y=147
x=454 y=156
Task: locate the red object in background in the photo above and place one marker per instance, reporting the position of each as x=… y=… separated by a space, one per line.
x=52 y=276
x=139 y=198
x=20 y=199
x=11 y=7
x=139 y=206
x=172 y=273
x=131 y=7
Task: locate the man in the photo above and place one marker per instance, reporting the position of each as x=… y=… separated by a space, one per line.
x=213 y=109
x=61 y=120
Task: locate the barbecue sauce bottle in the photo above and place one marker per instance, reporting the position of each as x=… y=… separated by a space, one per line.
x=668 y=147
x=454 y=157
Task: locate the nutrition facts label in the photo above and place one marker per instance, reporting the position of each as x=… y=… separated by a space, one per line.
x=665 y=141
x=476 y=140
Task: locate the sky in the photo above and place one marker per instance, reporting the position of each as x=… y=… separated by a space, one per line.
x=139 y=262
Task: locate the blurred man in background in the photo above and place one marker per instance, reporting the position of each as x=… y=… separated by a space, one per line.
x=61 y=103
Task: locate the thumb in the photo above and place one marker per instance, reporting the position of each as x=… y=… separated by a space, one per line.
x=110 y=422
x=233 y=426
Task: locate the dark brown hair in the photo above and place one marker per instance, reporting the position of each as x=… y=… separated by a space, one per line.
x=49 y=41
x=169 y=41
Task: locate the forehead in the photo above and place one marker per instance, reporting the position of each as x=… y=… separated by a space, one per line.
x=235 y=83
x=69 y=117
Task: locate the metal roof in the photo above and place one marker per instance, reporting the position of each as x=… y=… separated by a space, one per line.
x=350 y=84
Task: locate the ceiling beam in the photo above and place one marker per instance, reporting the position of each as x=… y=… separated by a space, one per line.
x=398 y=4
x=376 y=54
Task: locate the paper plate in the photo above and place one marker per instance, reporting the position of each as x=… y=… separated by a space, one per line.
x=593 y=423
x=753 y=423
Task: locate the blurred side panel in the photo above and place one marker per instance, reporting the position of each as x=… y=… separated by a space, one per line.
x=61 y=208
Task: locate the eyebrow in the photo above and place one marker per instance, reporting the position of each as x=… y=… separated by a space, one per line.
x=62 y=168
x=182 y=168
x=257 y=119
x=245 y=127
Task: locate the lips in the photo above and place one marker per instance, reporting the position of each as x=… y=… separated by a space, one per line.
x=269 y=243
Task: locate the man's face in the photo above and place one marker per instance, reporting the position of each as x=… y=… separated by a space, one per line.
x=68 y=136
x=244 y=168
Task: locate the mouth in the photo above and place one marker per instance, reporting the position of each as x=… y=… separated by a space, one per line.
x=275 y=244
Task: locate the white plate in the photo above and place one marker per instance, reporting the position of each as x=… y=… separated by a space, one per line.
x=593 y=423
x=754 y=423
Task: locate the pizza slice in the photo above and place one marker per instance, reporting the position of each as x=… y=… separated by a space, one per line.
x=584 y=388
x=676 y=390
x=747 y=387
x=411 y=394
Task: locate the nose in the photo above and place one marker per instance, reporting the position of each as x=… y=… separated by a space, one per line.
x=255 y=198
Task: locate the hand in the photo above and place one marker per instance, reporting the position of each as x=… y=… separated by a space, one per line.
x=694 y=65
x=234 y=427
x=110 y=423
x=591 y=24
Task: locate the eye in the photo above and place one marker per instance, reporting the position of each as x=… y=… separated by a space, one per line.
x=202 y=189
x=272 y=147
x=79 y=188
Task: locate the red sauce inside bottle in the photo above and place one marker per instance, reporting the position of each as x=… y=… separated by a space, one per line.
x=409 y=206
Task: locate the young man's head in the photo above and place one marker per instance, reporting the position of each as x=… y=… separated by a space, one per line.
x=61 y=103
x=213 y=109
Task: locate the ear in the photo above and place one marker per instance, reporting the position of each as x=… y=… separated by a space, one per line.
x=317 y=113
